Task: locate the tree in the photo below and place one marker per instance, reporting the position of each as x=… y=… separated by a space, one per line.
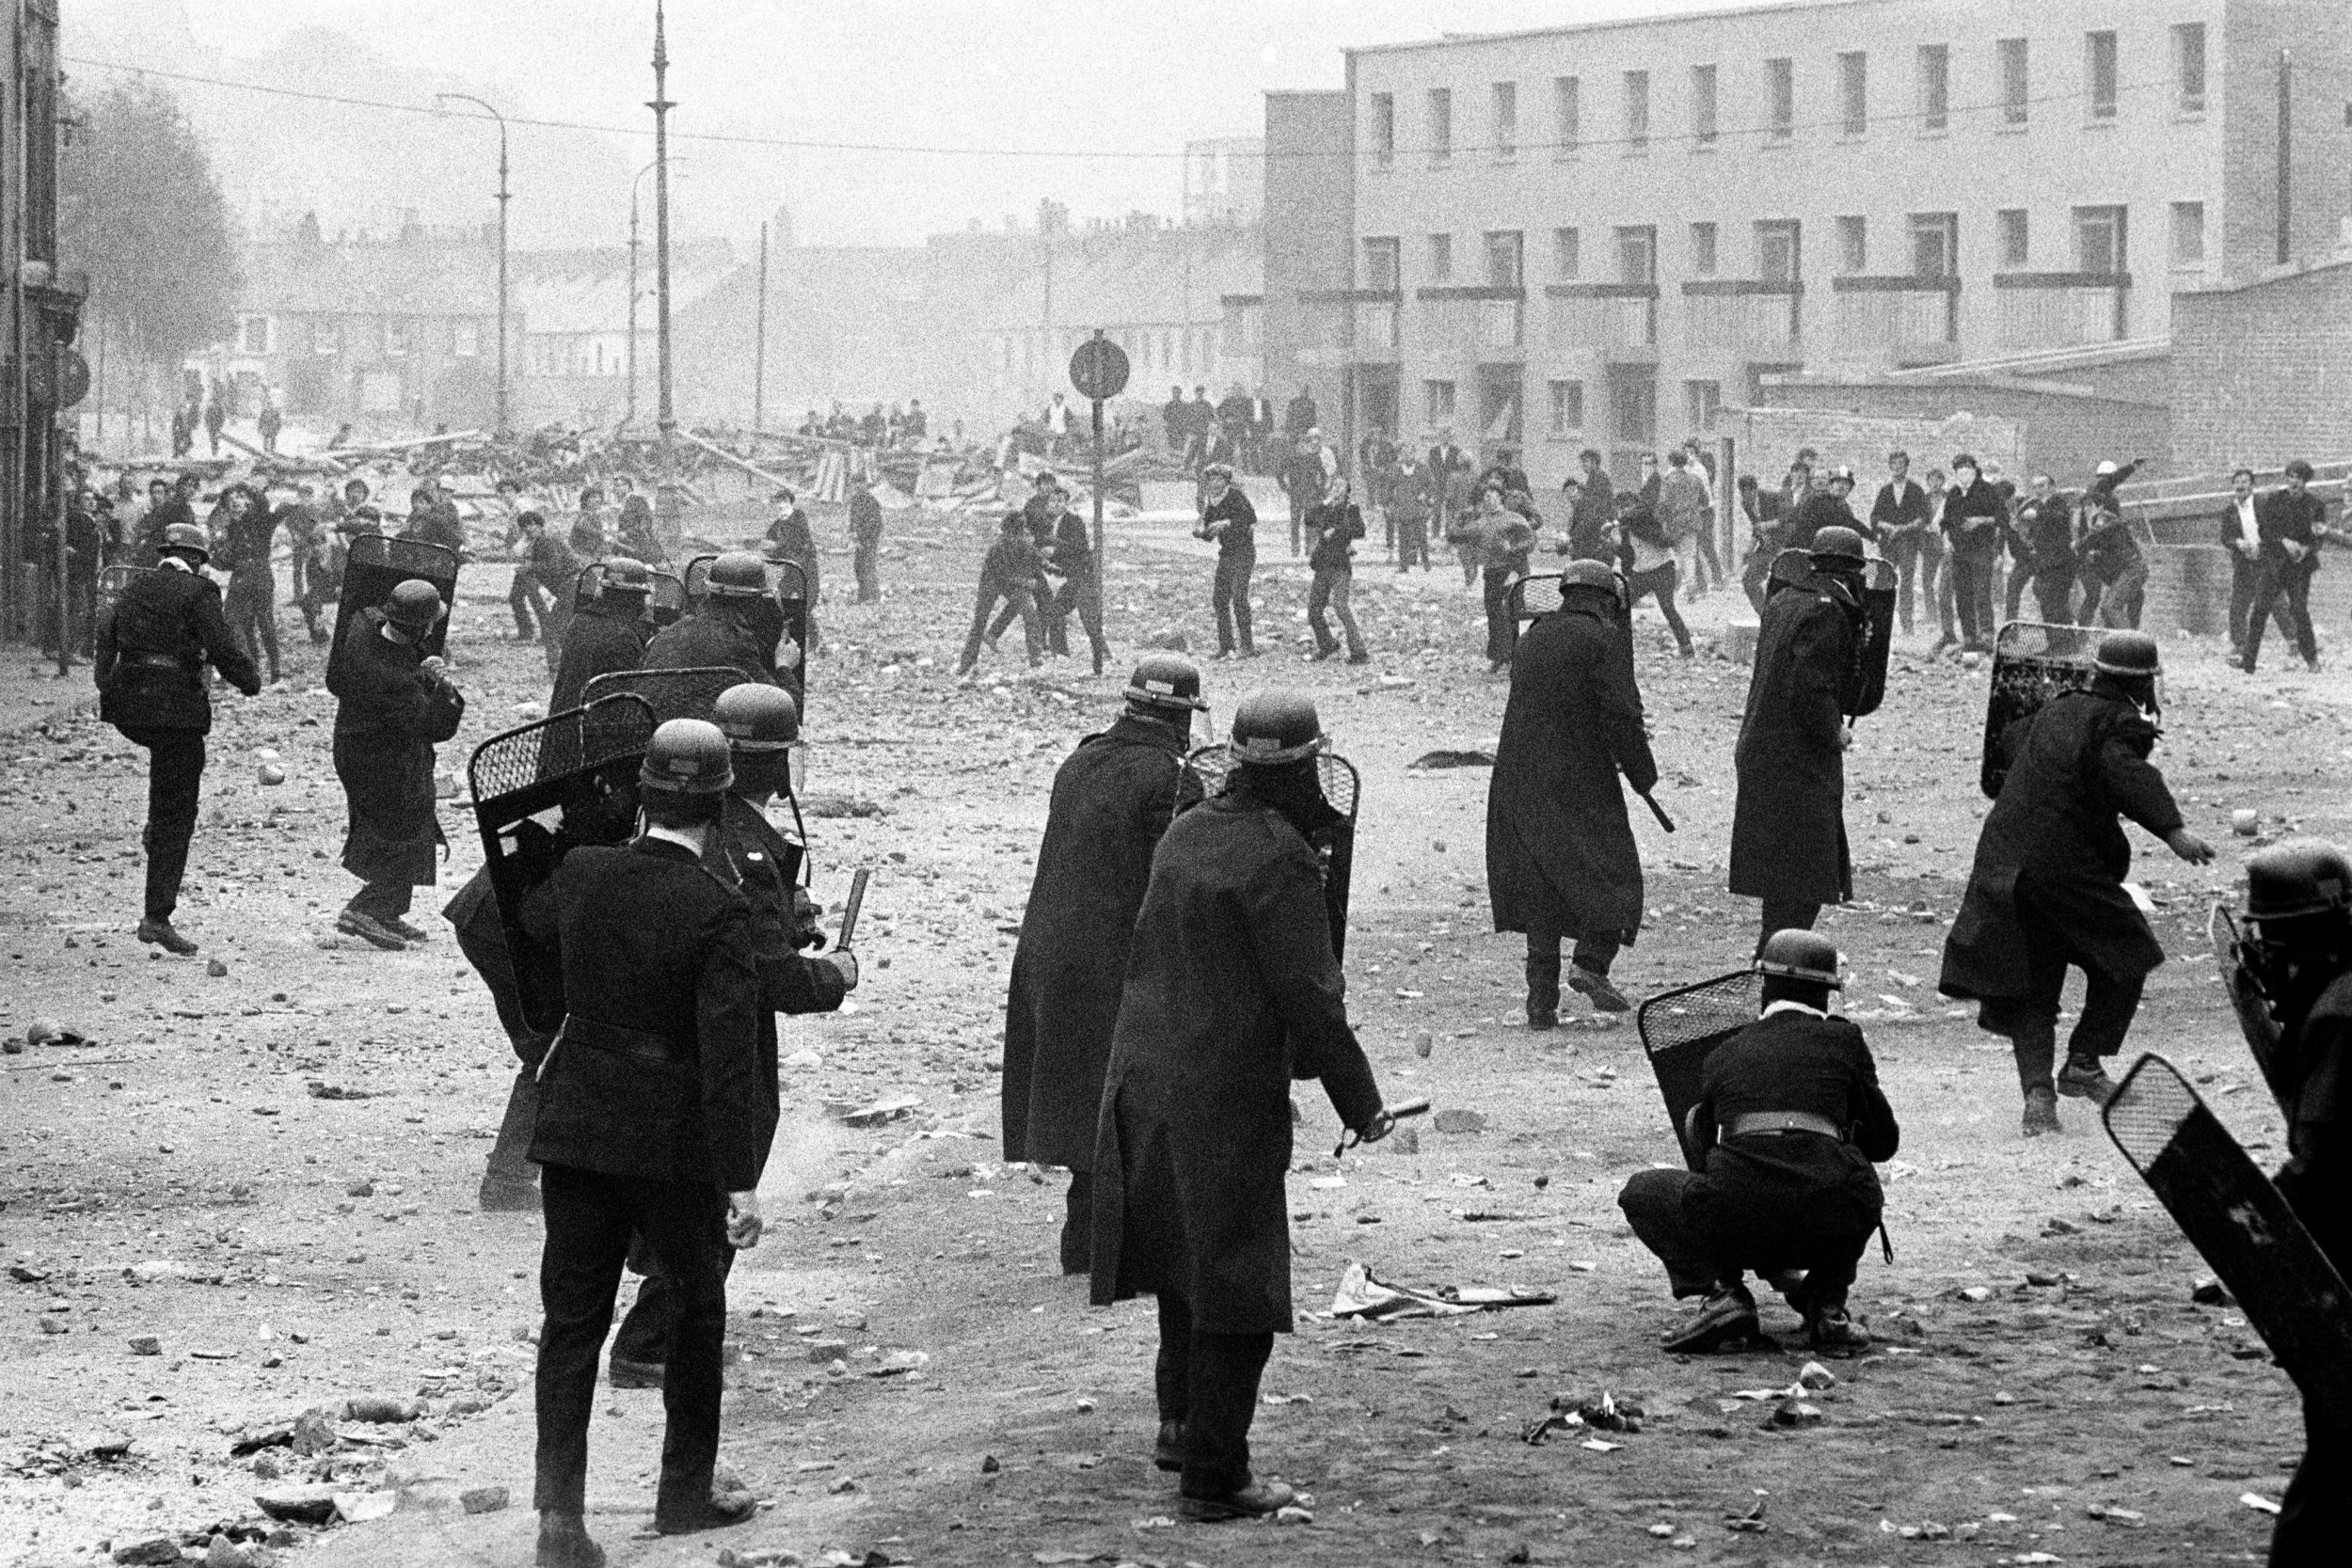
x=140 y=210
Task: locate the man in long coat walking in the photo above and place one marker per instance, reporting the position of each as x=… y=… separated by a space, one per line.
x=1113 y=798
x=1561 y=861
x=393 y=706
x=1789 y=823
x=1232 y=992
x=2047 y=888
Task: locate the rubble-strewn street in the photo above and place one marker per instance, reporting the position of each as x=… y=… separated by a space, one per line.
x=247 y=1289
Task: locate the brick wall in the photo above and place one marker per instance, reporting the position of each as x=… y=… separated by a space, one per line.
x=2063 y=434
x=2263 y=373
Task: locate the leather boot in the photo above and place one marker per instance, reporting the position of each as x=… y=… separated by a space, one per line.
x=1543 y=992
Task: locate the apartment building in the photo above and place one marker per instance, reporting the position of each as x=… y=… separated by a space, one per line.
x=1601 y=235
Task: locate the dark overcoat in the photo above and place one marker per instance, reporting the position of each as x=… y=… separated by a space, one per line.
x=151 y=651
x=605 y=636
x=1231 y=993
x=719 y=634
x=389 y=714
x=1789 y=823
x=2076 y=768
x=1113 y=797
x=1560 y=854
x=750 y=856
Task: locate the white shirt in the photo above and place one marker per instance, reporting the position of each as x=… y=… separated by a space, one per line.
x=1787 y=1005
x=2249 y=529
x=1058 y=418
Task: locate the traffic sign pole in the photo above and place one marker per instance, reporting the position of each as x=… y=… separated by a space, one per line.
x=1098 y=369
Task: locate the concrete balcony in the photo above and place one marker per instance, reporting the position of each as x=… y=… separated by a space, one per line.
x=1485 y=323
x=1615 y=323
x=1745 y=318
x=2060 y=309
x=1896 y=323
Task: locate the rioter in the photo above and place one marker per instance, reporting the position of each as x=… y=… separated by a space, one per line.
x=1791 y=1119
x=1232 y=993
x=1008 y=573
x=1333 y=525
x=1113 y=799
x=1226 y=518
x=248 y=530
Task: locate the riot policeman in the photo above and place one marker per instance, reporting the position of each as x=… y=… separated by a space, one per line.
x=656 y=1118
x=2299 y=918
x=1792 y=1119
x=153 y=647
x=1231 y=993
x=609 y=633
x=738 y=623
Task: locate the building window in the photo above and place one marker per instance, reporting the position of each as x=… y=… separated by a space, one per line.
x=1934 y=244
x=1440 y=258
x=1504 y=251
x=1567 y=113
x=1441 y=123
x=465 y=337
x=1637 y=255
x=2188 y=234
x=1437 y=399
x=1853 y=91
x=1506 y=119
x=1636 y=111
x=326 y=337
x=2009 y=227
x=2099 y=240
x=2189 y=67
x=395 y=339
x=1779 y=251
x=1703 y=129
x=1780 y=95
x=253 y=335
x=1567 y=259
x=1633 y=405
x=1935 y=87
x=1381 y=271
x=1702 y=401
x=1384 y=128
x=1853 y=246
x=2099 y=67
x=2015 y=83
x=1568 y=408
x=1703 y=249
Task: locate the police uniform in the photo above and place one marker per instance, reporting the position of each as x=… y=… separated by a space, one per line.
x=390 y=712
x=609 y=634
x=720 y=631
x=153 y=647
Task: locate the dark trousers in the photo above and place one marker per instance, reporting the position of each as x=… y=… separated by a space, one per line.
x=250 y=605
x=1229 y=597
x=1331 y=590
x=1412 y=543
x=1502 y=628
x=1658 y=582
x=1208 y=1384
x=2110 y=1002
x=2290 y=580
x=1706 y=571
x=1785 y=914
x=1078 y=594
x=1077 y=1226
x=2120 y=600
x=1594 y=953
x=590 y=1217
x=175 y=768
x=2053 y=593
x=384 y=902
x=522 y=598
x=1917 y=558
x=1017 y=602
x=510 y=1156
x=2318 y=1508
x=1972 y=597
x=865 y=560
x=315 y=595
x=1698 y=1265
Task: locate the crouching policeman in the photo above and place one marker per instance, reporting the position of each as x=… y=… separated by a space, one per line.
x=656 y=1111
x=1791 y=1118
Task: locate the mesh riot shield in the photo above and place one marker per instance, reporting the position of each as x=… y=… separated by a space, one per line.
x=376 y=565
x=1680 y=1029
x=671 y=693
x=1878 y=637
x=788 y=586
x=2254 y=1018
x=1535 y=596
x=114 y=582
x=1335 y=847
x=540 y=790
x=663 y=604
x=2242 y=1225
x=2032 y=663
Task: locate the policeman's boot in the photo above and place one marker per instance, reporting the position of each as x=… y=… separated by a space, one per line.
x=2034 y=1042
x=2085 y=1077
x=565 y=1542
x=1543 y=990
x=1726 y=1317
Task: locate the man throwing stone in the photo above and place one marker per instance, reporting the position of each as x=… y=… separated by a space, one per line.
x=393 y=706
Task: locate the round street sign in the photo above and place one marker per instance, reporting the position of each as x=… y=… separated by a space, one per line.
x=1099 y=369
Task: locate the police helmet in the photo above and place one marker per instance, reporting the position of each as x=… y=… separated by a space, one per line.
x=626 y=573
x=688 y=756
x=2129 y=653
x=188 y=538
x=737 y=575
x=755 y=717
x=1271 y=728
x=415 y=605
x=1838 y=543
x=1593 y=574
x=1803 y=956
x=2296 y=878
x=1166 y=681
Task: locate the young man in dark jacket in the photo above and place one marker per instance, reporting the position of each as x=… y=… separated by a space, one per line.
x=1973 y=515
x=2293 y=526
x=1333 y=525
x=1007 y=572
x=1226 y=518
x=1903 y=523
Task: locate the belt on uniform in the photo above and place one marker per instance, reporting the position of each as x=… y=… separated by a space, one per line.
x=1750 y=1123
x=618 y=1041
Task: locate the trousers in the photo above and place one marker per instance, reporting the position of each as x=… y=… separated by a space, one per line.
x=1917 y=557
x=2317 y=1506
x=1077 y=1226
x=522 y=598
x=2289 y=581
x=590 y=1216
x=2246 y=582
x=175 y=769
x=1785 y=914
x=1972 y=597
x=1502 y=628
x=1331 y=589
x=2110 y=1002
x=866 y=563
x=1017 y=602
x=384 y=902
x=250 y=605
x=1228 y=597
x=1412 y=543
x=1659 y=583
x=1208 y=1384
x=2120 y=600
x=1698 y=1263
x=1079 y=594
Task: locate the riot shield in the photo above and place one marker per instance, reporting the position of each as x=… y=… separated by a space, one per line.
x=378 y=564
x=114 y=582
x=540 y=790
x=2254 y=1018
x=1680 y=1030
x=671 y=693
x=1535 y=596
x=1878 y=637
x=2032 y=663
x=787 y=585
x=663 y=604
x=1335 y=847
x=2242 y=1225
x=1791 y=569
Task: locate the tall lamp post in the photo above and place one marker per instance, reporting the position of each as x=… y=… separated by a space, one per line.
x=503 y=195
x=633 y=292
x=665 y=500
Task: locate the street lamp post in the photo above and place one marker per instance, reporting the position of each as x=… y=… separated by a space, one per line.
x=503 y=196
x=666 y=498
x=633 y=186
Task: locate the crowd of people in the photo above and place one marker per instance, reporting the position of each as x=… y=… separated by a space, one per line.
x=897 y=425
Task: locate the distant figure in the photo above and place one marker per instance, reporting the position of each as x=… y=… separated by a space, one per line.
x=270 y=422
x=215 y=416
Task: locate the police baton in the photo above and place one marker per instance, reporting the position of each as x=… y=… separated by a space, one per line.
x=849 y=912
x=1657 y=811
x=1394 y=1113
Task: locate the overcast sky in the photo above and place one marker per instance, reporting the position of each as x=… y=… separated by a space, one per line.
x=1096 y=82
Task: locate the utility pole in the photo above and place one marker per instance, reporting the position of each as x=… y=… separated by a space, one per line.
x=634 y=185
x=665 y=499
x=2286 y=158
x=504 y=194
x=759 y=349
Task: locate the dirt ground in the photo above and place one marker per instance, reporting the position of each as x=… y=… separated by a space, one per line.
x=205 y=1172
